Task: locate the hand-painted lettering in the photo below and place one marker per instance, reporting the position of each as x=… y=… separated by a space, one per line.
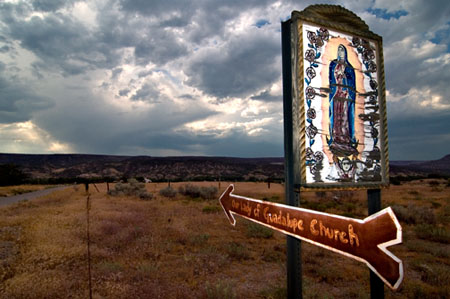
x=319 y=228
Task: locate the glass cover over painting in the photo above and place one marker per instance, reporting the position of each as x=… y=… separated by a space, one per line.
x=341 y=101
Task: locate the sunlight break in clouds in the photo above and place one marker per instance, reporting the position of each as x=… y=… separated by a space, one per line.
x=27 y=138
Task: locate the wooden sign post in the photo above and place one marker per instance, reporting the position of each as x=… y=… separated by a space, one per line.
x=334 y=104
x=364 y=240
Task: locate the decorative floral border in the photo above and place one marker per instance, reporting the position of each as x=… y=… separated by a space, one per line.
x=316 y=41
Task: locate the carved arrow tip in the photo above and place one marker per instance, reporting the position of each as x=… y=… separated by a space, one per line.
x=225 y=202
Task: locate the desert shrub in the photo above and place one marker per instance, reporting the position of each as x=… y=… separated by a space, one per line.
x=189 y=190
x=435 y=204
x=237 y=251
x=220 y=290
x=132 y=188
x=198 y=240
x=438 y=275
x=19 y=191
x=274 y=292
x=433 y=183
x=145 y=195
x=343 y=195
x=147 y=267
x=271 y=256
x=211 y=209
x=208 y=192
x=273 y=198
x=196 y=192
x=395 y=181
x=168 y=192
x=255 y=230
x=319 y=205
x=444 y=214
x=414 y=214
x=109 y=267
x=416 y=194
x=321 y=194
x=433 y=233
x=422 y=246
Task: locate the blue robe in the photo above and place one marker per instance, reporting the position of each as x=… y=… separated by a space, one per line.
x=342 y=105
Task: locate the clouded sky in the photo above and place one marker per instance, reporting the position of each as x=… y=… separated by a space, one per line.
x=197 y=77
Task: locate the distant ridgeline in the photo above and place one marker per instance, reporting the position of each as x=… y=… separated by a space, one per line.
x=68 y=168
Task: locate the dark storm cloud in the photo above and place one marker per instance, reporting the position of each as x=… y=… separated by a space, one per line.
x=66 y=44
x=124 y=92
x=210 y=144
x=408 y=47
x=149 y=92
x=116 y=72
x=242 y=66
x=160 y=47
x=5 y=49
x=102 y=128
x=157 y=7
x=202 y=19
x=267 y=97
x=61 y=42
x=49 y=5
x=17 y=101
x=144 y=73
x=254 y=146
x=232 y=144
x=421 y=133
x=187 y=97
x=152 y=43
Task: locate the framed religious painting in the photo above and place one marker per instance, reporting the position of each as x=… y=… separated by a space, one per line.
x=339 y=106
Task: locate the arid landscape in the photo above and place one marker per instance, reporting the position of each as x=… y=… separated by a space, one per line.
x=160 y=242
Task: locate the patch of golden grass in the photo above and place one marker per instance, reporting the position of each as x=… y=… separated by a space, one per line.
x=173 y=248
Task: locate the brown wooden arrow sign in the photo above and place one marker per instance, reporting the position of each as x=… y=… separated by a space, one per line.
x=364 y=240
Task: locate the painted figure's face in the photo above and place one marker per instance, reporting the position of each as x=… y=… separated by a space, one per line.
x=346 y=165
x=341 y=52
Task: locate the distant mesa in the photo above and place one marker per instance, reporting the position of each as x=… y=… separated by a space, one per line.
x=150 y=169
x=70 y=167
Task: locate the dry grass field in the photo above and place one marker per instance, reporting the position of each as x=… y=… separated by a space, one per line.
x=183 y=247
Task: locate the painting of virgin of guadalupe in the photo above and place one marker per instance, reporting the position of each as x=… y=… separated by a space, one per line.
x=342 y=120
x=342 y=96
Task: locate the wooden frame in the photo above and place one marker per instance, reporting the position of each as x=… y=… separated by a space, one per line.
x=338 y=101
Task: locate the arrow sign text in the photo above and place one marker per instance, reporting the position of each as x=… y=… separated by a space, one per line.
x=364 y=240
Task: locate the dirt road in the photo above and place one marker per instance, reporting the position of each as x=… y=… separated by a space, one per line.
x=28 y=196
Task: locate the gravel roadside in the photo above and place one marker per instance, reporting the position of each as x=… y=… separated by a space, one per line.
x=28 y=196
